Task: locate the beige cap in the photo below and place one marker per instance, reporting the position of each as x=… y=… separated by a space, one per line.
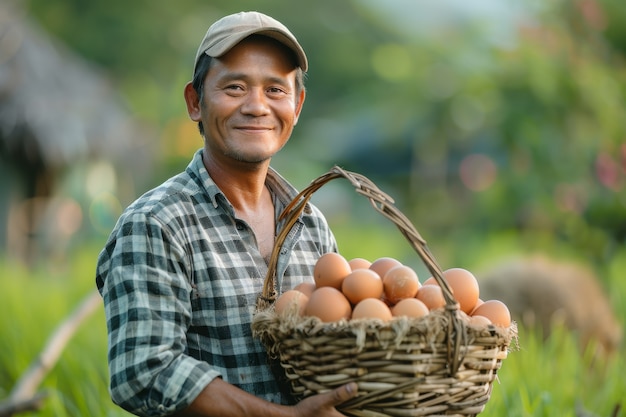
x=232 y=29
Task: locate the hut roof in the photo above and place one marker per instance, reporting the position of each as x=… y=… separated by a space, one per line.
x=63 y=106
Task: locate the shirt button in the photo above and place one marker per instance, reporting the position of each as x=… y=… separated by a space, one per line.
x=239 y=226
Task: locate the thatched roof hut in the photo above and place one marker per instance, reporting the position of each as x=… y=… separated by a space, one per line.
x=56 y=110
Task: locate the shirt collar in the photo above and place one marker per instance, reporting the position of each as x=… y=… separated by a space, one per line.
x=278 y=185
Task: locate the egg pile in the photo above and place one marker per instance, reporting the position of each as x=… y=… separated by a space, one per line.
x=383 y=289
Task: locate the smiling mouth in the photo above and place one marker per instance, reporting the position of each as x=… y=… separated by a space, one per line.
x=253 y=129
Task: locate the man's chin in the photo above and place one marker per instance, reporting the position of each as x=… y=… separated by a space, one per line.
x=251 y=159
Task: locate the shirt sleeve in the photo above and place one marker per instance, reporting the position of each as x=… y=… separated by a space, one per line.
x=143 y=278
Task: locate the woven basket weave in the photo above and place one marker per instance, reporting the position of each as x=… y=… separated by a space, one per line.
x=436 y=365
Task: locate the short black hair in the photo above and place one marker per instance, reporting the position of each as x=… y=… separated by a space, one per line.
x=202 y=68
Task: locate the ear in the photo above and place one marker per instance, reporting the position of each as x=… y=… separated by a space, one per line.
x=299 y=104
x=193 y=102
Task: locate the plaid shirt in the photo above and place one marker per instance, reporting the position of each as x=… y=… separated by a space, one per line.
x=179 y=277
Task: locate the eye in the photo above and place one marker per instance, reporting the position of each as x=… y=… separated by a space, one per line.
x=276 y=91
x=234 y=89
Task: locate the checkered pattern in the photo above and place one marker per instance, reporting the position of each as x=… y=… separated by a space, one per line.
x=179 y=276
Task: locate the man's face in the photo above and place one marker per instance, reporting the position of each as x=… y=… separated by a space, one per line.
x=250 y=104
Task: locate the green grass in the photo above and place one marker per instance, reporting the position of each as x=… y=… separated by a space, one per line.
x=552 y=377
x=541 y=378
x=35 y=303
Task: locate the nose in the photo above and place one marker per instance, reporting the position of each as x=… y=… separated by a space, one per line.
x=256 y=103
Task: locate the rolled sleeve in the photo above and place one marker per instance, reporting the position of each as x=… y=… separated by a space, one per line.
x=147 y=303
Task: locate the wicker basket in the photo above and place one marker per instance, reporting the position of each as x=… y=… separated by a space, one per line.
x=431 y=366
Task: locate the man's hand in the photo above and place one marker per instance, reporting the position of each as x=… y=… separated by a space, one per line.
x=219 y=398
x=323 y=405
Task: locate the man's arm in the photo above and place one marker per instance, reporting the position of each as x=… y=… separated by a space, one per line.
x=222 y=399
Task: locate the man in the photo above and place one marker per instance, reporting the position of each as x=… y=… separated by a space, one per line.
x=183 y=267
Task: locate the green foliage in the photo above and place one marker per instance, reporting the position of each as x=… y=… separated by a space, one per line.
x=35 y=303
x=475 y=133
x=552 y=377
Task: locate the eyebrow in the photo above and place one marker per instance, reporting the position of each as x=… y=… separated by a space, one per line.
x=242 y=76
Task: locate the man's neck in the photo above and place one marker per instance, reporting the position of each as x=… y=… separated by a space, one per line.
x=243 y=184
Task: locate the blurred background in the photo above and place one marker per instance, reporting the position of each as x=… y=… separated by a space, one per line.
x=498 y=127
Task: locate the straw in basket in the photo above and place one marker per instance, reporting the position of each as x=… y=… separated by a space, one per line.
x=436 y=365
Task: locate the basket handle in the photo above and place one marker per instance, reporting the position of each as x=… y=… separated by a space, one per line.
x=381 y=202
x=384 y=204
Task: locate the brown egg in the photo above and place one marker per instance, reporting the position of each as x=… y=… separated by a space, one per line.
x=400 y=282
x=358 y=263
x=371 y=308
x=494 y=310
x=328 y=304
x=291 y=300
x=330 y=270
x=409 y=307
x=479 y=321
x=479 y=302
x=464 y=287
x=430 y=281
x=384 y=264
x=305 y=288
x=361 y=284
x=432 y=296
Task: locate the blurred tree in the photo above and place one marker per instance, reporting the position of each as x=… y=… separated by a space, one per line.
x=475 y=133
